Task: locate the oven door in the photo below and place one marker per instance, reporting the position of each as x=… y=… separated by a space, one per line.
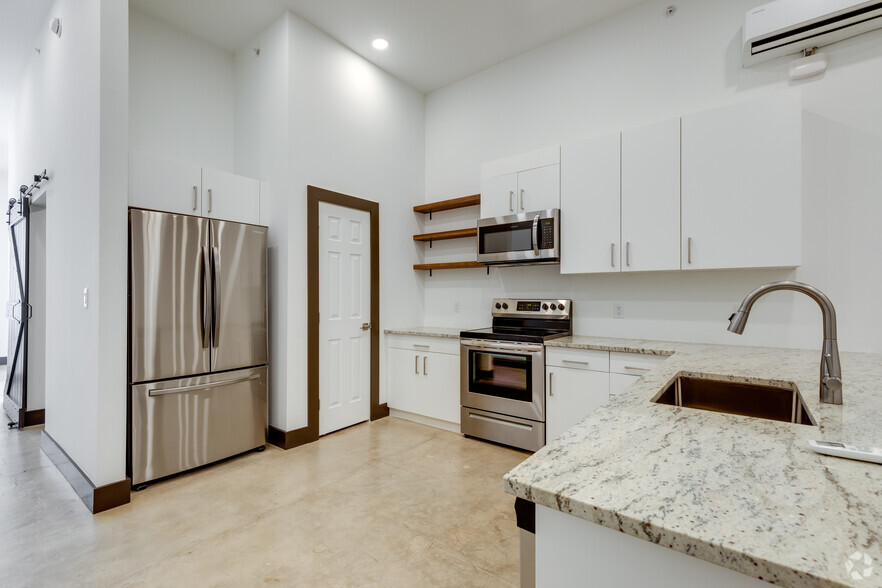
x=503 y=377
x=530 y=237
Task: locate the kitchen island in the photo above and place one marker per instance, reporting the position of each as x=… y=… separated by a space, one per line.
x=743 y=493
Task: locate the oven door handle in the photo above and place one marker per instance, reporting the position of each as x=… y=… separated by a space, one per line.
x=535 y=238
x=500 y=346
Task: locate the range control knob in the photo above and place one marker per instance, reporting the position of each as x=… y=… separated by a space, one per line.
x=505 y=306
x=544 y=306
x=560 y=306
x=498 y=306
x=553 y=306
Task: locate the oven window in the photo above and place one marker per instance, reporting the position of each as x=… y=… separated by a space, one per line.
x=505 y=375
x=504 y=238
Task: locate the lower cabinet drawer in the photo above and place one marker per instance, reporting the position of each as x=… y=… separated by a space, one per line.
x=577 y=359
x=635 y=364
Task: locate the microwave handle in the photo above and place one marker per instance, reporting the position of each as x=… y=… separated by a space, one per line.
x=535 y=240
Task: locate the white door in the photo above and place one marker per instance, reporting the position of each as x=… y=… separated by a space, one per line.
x=651 y=197
x=571 y=395
x=742 y=185
x=344 y=317
x=590 y=205
x=403 y=379
x=227 y=196
x=499 y=195
x=538 y=189
x=167 y=185
x=440 y=386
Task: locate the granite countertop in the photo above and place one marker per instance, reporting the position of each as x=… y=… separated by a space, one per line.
x=741 y=492
x=443 y=332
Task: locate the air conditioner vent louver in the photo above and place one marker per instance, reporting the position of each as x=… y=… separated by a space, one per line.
x=787 y=27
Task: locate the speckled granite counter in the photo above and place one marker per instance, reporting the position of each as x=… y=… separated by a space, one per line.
x=741 y=492
x=443 y=332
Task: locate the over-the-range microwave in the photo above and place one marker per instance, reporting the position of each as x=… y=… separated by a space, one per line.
x=526 y=238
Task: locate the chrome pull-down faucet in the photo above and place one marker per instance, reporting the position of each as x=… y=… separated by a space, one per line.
x=831 y=372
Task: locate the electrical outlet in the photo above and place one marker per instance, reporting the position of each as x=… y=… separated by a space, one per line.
x=618 y=310
x=456 y=306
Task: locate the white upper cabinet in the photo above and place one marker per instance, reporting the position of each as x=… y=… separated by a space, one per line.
x=498 y=195
x=539 y=188
x=523 y=183
x=227 y=196
x=164 y=184
x=590 y=203
x=651 y=197
x=742 y=185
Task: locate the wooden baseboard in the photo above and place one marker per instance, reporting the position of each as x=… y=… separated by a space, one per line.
x=291 y=439
x=33 y=418
x=96 y=499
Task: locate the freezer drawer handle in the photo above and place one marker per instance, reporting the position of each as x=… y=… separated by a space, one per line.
x=157 y=392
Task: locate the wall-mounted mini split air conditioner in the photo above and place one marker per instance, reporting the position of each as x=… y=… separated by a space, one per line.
x=786 y=27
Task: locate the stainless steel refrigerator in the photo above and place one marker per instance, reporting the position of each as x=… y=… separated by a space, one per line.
x=198 y=341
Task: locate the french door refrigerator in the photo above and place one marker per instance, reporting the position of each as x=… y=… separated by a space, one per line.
x=198 y=341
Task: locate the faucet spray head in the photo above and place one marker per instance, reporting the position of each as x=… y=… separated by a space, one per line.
x=737 y=321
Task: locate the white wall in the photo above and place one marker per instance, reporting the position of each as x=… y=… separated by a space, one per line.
x=181 y=95
x=352 y=128
x=639 y=67
x=70 y=118
x=4 y=255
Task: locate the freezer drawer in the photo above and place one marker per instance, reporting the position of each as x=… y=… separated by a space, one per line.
x=183 y=424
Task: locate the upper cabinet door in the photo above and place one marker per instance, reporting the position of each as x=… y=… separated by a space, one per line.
x=499 y=195
x=157 y=183
x=230 y=197
x=538 y=189
x=742 y=185
x=651 y=197
x=590 y=200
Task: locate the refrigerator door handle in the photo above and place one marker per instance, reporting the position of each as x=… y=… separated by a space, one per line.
x=206 y=299
x=215 y=297
x=158 y=392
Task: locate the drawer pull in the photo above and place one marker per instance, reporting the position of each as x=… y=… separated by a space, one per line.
x=420 y=346
x=585 y=363
x=639 y=369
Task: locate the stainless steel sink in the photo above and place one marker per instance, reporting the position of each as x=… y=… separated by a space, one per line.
x=764 y=402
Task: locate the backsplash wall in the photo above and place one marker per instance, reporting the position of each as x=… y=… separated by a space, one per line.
x=637 y=68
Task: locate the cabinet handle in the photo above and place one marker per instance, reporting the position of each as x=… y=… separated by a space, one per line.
x=195 y=197
x=612 y=255
x=511 y=200
x=522 y=198
x=425 y=373
x=415 y=346
x=628 y=253
x=689 y=250
x=416 y=364
x=209 y=201
x=639 y=369
x=585 y=363
x=551 y=383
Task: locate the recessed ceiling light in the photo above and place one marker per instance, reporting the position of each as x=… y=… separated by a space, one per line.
x=380 y=43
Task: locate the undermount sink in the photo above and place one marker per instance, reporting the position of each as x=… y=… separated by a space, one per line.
x=753 y=400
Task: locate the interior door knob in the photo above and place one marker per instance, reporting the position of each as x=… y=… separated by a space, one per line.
x=365 y=326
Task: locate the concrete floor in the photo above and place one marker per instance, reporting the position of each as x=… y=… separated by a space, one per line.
x=389 y=503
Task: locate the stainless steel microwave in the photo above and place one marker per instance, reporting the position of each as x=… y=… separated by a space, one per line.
x=529 y=237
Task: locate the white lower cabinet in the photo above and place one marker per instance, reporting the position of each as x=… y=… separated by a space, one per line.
x=423 y=377
x=578 y=381
x=570 y=395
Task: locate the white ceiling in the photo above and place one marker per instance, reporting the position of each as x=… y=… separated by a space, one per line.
x=432 y=42
x=20 y=22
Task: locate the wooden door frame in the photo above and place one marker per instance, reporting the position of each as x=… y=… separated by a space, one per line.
x=314 y=196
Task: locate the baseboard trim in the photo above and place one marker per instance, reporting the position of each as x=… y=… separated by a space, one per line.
x=3 y=360
x=33 y=418
x=291 y=439
x=379 y=411
x=96 y=499
x=424 y=420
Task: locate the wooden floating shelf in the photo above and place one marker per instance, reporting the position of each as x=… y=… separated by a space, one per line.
x=473 y=200
x=444 y=235
x=449 y=265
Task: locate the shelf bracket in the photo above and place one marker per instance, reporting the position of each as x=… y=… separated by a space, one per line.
x=488 y=270
x=430 y=273
x=430 y=243
x=430 y=215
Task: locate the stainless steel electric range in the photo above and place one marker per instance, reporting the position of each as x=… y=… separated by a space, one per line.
x=503 y=371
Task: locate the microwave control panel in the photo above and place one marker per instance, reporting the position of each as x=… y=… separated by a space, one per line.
x=546 y=233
